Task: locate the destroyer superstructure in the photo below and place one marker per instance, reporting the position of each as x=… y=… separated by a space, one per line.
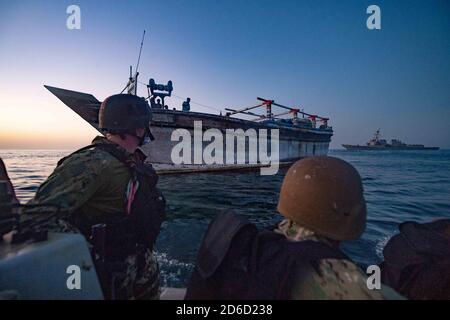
x=376 y=143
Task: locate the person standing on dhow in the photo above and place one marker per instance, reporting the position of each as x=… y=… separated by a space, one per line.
x=106 y=192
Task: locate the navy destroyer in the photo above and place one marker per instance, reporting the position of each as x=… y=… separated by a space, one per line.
x=376 y=143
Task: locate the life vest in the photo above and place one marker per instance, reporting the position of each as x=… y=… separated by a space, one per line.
x=417 y=260
x=126 y=233
x=239 y=262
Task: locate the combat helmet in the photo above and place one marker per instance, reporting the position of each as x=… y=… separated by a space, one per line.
x=124 y=113
x=325 y=195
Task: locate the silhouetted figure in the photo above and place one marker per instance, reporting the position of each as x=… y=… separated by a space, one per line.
x=186 y=105
x=158 y=103
x=152 y=102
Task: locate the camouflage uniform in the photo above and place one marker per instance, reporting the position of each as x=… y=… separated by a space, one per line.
x=330 y=278
x=84 y=191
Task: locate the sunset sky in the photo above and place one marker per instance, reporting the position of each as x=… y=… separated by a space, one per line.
x=315 y=54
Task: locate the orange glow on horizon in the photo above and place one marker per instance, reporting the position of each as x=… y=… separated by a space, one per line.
x=38 y=124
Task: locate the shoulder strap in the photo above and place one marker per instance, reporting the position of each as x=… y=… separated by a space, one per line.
x=313 y=251
x=60 y=162
x=278 y=260
x=218 y=239
x=112 y=150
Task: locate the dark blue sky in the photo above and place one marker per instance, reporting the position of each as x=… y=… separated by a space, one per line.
x=315 y=54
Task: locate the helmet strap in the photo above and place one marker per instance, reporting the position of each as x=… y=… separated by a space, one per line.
x=146 y=138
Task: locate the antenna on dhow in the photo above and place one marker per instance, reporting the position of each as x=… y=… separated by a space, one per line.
x=131 y=86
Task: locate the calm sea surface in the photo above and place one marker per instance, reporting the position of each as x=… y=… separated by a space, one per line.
x=399 y=186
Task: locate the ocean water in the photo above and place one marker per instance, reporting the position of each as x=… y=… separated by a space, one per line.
x=398 y=186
